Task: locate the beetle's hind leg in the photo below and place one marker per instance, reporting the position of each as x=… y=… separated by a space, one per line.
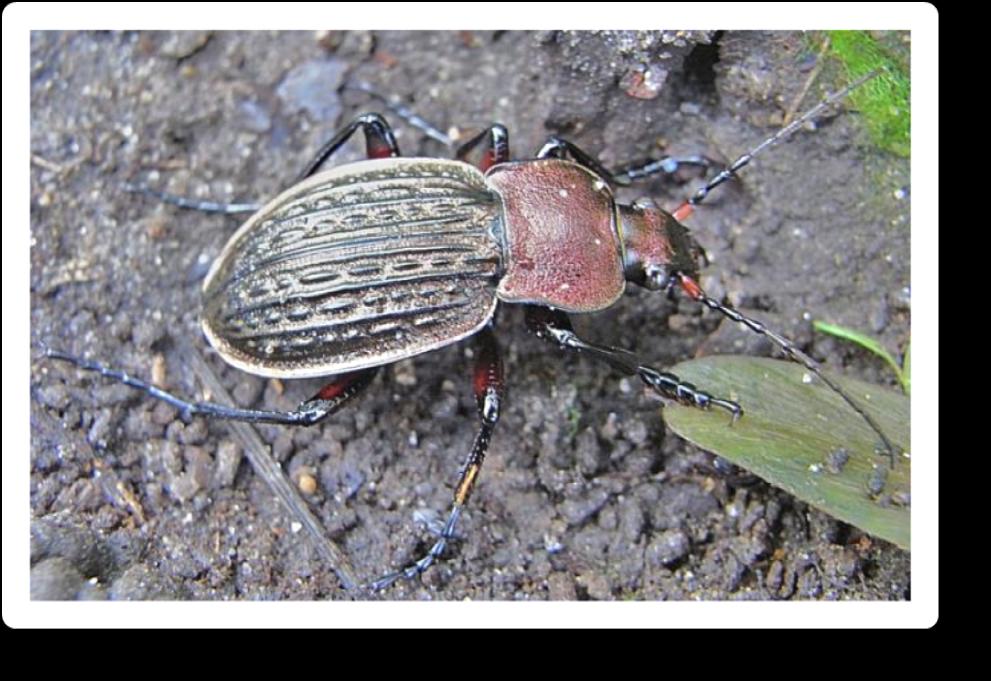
x=192 y=204
x=380 y=142
x=404 y=112
x=328 y=400
x=489 y=388
x=555 y=327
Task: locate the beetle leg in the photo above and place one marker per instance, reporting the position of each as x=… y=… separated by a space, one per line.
x=555 y=327
x=668 y=165
x=331 y=398
x=489 y=388
x=555 y=147
x=192 y=204
x=402 y=111
x=380 y=142
x=496 y=150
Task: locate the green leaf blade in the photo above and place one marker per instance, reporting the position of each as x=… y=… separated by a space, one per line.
x=865 y=341
x=907 y=370
x=791 y=429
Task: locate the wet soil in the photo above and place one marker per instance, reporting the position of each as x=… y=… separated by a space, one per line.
x=584 y=494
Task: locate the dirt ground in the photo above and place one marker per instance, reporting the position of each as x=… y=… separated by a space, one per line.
x=584 y=494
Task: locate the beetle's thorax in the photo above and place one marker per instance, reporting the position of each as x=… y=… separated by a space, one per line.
x=563 y=245
x=655 y=246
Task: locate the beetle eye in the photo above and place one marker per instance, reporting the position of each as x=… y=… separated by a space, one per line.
x=645 y=203
x=656 y=277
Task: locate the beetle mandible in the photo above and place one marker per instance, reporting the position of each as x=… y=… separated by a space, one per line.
x=369 y=263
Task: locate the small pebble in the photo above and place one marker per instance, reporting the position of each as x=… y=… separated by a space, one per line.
x=307 y=484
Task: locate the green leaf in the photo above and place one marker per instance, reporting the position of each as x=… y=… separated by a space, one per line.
x=792 y=430
x=868 y=343
x=884 y=101
x=907 y=369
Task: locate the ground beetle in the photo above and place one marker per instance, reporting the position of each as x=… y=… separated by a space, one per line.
x=373 y=262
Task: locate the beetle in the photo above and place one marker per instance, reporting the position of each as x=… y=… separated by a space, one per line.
x=360 y=266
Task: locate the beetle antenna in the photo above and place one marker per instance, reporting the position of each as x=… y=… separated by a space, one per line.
x=730 y=171
x=691 y=287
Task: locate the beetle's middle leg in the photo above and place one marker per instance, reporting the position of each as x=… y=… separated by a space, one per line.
x=489 y=388
x=555 y=327
x=328 y=400
x=495 y=150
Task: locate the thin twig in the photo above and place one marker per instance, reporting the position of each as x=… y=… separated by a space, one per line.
x=797 y=101
x=46 y=164
x=271 y=472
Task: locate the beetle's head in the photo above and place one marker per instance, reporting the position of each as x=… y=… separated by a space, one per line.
x=656 y=247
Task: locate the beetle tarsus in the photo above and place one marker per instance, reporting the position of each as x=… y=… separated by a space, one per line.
x=340 y=391
x=404 y=112
x=670 y=386
x=423 y=564
x=191 y=204
x=555 y=327
x=744 y=159
x=665 y=165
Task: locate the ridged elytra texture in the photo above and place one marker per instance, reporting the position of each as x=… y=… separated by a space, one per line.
x=358 y=266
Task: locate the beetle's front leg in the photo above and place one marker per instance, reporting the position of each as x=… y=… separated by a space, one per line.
x=556 y=147
x=555 y=327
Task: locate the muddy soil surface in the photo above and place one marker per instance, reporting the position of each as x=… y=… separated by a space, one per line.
x=584 y=494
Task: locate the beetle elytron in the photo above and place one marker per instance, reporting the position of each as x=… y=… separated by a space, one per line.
x=369 y=263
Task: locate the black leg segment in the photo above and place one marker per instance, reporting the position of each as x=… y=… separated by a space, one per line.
x=665 y=165
x=380 y=142
x=744 y=159
x=404 y=112
x=489 y=387
x=495 y=149
x=555 y=147
x=555 y=327
x=192 y=204
x=331 y=398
